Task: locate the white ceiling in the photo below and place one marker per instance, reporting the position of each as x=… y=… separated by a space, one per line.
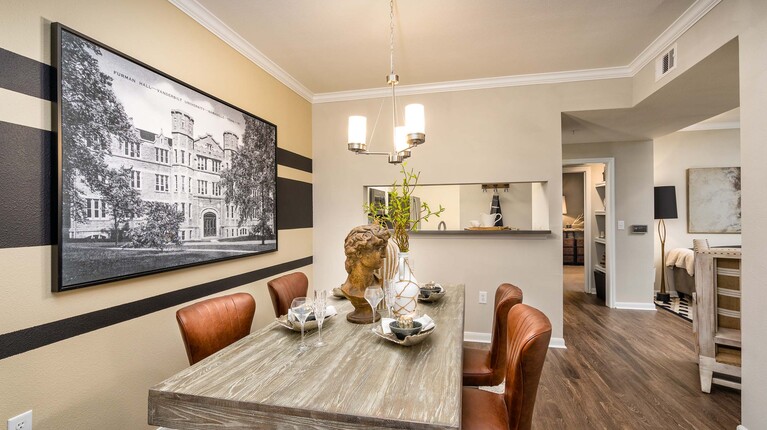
x=329 y=46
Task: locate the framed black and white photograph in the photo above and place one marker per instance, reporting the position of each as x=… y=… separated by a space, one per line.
x=154 y=174
x=713 y=200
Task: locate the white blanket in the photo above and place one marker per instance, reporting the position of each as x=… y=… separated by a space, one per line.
x=683 y=258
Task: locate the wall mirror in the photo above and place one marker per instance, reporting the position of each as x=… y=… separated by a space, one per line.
x=523 y=204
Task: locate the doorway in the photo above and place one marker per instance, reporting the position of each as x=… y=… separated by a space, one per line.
x=209 y=224
x=575 y=209
x=588 y=208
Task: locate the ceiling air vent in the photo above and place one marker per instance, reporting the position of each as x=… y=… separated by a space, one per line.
x=665 y=63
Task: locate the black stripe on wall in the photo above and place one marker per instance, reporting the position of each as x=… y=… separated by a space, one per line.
x=27 y=339
x=296 y=161
x=294 y=204
x=26 y=181
x=27 y=76
x=26 y=184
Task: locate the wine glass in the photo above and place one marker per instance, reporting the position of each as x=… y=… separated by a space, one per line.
x=389 y=288
x=374 y=295
x=301 y=311
x=319 y=306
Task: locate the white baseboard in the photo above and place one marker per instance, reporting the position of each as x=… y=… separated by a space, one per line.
x=557 y=342
x=639 y=306
x=472 y=336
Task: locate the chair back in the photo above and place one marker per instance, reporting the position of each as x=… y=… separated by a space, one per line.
x=528 y=341
x=213 y=324
x=286 y=288
x=506 y=296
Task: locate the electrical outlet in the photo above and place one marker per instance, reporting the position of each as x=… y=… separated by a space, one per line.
x=21 y=422
x=483 y=297
x=621 y=225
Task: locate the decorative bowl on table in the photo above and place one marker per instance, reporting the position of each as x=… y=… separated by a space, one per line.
x=388 y=326
x=408 y=341
x=431 y=292
x=403 y=332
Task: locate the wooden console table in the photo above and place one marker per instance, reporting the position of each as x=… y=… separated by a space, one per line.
x=357 y=381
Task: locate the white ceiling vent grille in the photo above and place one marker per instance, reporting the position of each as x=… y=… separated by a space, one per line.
x=665 y=63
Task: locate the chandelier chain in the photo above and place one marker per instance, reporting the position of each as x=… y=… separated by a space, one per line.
x=391 y=35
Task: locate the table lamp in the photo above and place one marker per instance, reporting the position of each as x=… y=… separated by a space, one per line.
x=665 y=208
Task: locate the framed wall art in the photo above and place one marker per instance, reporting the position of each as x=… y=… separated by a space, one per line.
x=153 y=174
x=713 y=200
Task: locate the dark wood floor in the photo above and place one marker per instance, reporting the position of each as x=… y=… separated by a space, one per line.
x=626 y=369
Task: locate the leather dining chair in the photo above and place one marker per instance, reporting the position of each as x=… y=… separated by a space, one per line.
x=480 y=366
x=213 y=324
x=528 y=341
x=286 y=288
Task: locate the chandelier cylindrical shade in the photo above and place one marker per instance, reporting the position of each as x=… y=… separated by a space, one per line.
x=357 y=129
x=400 y=139
x=665 y=202
x=414 y=119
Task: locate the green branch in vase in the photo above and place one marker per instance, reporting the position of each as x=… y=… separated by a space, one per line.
x=398 y=214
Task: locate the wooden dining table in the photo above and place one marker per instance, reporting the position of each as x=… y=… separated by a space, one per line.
x=357 y=381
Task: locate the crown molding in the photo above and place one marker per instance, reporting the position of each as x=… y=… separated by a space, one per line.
x=707 y=126
x=477 y=84
x=208 y=20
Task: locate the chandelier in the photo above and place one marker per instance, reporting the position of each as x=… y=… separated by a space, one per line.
x=406 y=137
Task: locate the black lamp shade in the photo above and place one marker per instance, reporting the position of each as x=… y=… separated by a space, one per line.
x=665 y=202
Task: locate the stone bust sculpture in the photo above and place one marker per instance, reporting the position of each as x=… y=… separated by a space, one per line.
x=365 y=249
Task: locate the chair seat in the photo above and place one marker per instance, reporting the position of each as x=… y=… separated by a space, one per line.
x=483 y=410
x=476 y=367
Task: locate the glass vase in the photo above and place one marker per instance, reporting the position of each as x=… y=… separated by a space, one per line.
x=406 y=288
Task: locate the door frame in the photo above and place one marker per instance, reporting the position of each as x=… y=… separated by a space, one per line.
x=610 y=229
x=589 y=281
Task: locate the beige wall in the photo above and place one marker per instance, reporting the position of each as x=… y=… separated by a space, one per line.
x=753 y=129
x=449 y=196
x=513 y=135
x=676 y=153
x=100 y=380
x=747 y=20
x=633 y=189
